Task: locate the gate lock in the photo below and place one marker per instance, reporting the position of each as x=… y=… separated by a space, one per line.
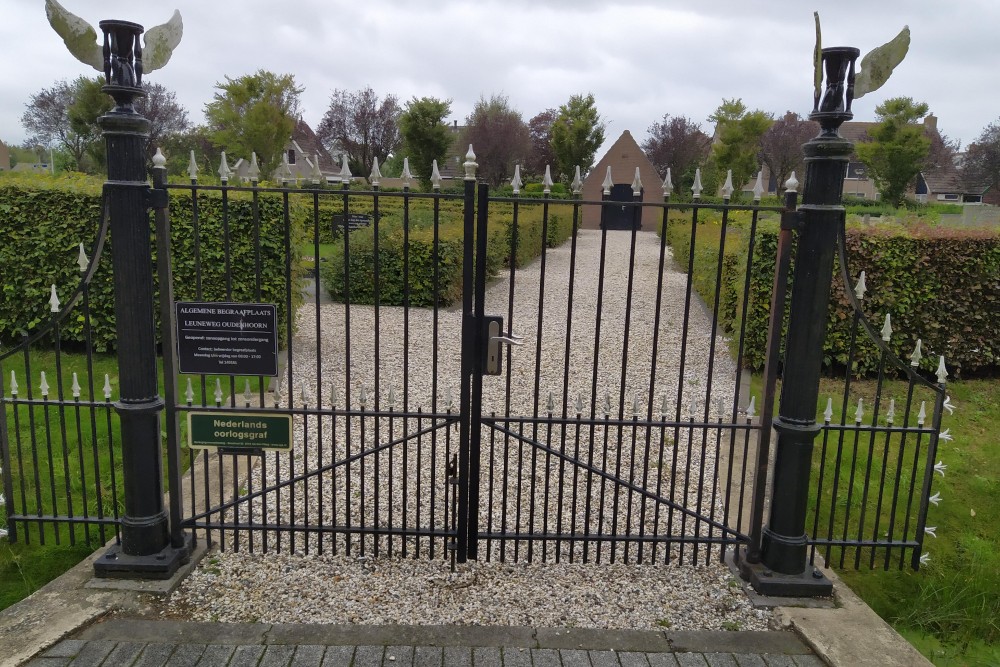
x=493 y=333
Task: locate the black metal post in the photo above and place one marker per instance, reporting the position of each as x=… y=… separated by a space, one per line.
x=145 y=550
x=783 y=566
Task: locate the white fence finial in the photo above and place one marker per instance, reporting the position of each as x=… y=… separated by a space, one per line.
x=668 y=184
x=224 y=171
x=942 y=372
x=435 y=175
x=608 y=183
x=317 y=173
x=54 y=300
x=375 y=176
x=917 y=355
x=470 y=165
x=193 y=168
x=887 y=328
x=577 y=183
x=861 y=287
x=727 y=188
x=758 y=187
x=159 y=161
x=637 y=184
x=81 y=259
x=406 y=176
x=345 y=171
x=547 y=181
x=696 y=186
x=516 y=182
x=792 y=184
x=253 y=171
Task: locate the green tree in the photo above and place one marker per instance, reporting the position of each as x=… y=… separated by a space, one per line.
x=577 y=133
x=90 y=102
x=739 y=133
x=47 y=119
x=898 y=148
x=981 y=165
x=499 y=136
x=255 y=113
x=425 y=135
x=362 y=125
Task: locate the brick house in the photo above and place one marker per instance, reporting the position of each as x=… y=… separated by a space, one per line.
x=301 y=151
x=623 y=157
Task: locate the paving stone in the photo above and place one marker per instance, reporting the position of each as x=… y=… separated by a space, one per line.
x=749 y=660
x=368 y=656
x=808 y=661
x=487 y=657
x=277 y=655
x=124 y=653
x=661 y=659
x=545 y=657
x=67 y=648
x=155 y=655
x=427 y=656
x=247 y=655
x=720 y=659
x=186 y=655
x=632 y=659
x=92 y=654
x=778 y=660
x=216 y=655
x=574 y=658
x=308 y=655
x=516 y=657
x=457 y=656
x=604 y=659
x=691 y=660
x=48 y=662
x=338 y=656
x=398 y=656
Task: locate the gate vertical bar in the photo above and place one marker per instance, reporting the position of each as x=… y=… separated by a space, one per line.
x=782 y=570
x=476 y=416
x=145 y=549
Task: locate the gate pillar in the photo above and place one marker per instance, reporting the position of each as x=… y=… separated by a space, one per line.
x=145 y=550
x=783 y=568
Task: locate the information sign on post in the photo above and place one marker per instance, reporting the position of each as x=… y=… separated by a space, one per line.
x=227 y=338
x=239 y=430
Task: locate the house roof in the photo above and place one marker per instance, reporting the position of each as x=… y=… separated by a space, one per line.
x=945 y=178
x=305 y=139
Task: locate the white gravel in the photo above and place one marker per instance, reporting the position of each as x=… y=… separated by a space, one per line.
x=301 y=585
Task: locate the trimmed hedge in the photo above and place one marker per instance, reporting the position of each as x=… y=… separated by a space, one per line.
x=940 y=285
x=44 y=219
x=526 y=246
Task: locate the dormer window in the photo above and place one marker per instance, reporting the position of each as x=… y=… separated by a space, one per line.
x=291 y=156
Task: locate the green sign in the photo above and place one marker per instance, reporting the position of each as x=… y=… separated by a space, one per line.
x=239 y=430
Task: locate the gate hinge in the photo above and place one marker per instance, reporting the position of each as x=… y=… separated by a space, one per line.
x=156 y=198
x=791 y=220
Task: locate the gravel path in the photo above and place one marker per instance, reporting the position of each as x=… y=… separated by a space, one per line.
x=406 y=484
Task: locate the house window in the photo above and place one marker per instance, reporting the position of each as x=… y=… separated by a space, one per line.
x=948 y=197
x=973 y=199
x=857 y=170
x=291 y=156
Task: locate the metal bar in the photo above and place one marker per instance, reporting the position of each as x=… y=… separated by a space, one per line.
x=468 y=348
x=899 y=472
x=593 y=381
x=932 y=445
x=868 y=463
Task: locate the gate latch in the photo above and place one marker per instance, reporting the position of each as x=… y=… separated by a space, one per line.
x=493 y=333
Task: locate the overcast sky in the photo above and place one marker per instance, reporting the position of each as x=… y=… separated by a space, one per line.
x=641 y=60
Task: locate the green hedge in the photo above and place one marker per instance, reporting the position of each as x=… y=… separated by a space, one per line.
x=501 y=240
x=44 y=219
x=939 y=285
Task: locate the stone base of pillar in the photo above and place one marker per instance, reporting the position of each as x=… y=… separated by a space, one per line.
x=115 y=564
x=811 y=583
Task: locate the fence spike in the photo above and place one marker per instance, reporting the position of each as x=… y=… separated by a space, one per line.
x=935 y=499
x=859 y=414
x=158 y=158
x=75 y=387
x=247 y=394
x=13 y=383
x=516 y=182
x=668 y=185
x=550 y=404
x=607 y=401
x=752 y=408
x=691 y=410
x=362 y=396
x=922 y=415
x=53 y=300
x=277 y=394
x=946 y=435
x=696 y=186
x=449 y=400
x=334 y=396
x=577 y=183
x=828 y=413
x=608 y=182
x=193 y=168
x=663 y=404
x=547 y=180
x=253 y=171
x=435 y=175
x=637 y=184
x=43 y=386
x=917 y=355
x=948 y=405
x=758 y=187
x=224 y=171
x=931 y=530
x=792 y=184
x=635 y=404
x=3 y=533
x=286 y=171
x=189 y=392
x=302 y=394
x=887 y=328
x=925 y=558
x=727 y=188
x=470 y=165
x=861 y=288
x=942 y=372
x=406 y=176
x=345 y=170
x=218 y=391
x=940 y=467
x=81 y=259
x=107 y=387
x=392 y=399
x=579 y=404
x=890 y=414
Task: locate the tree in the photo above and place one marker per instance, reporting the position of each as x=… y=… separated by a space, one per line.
x=90 y=102
x=499 y=136
x=781 y=146
x=46 y=118
x=679 y=144
x=981 y=164
x=739 y=133
x=255 y=113
x=898 y=147
x=425 y=134
x=540 y=134
x=577 y=133
x=167 y=118
x=362 y=126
